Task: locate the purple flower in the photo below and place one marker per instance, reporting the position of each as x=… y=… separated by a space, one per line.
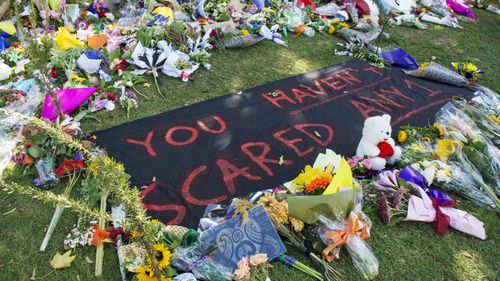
x=387 y=180
x=78 y=156
x=383 y=209
x=131 y=95
x=36 y=182
x=398 y=197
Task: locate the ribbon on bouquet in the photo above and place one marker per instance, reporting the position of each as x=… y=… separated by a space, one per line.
x=355 y=226
x=436 y=206
x=272 y=34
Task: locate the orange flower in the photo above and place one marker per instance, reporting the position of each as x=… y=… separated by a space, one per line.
x=28 y=160
x=99 y=236
x=321 y=182
x=300 y=28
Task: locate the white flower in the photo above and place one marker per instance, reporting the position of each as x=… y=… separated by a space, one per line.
x=426 y=163
x=442 y=177
x=429 y=174
x=110 y=105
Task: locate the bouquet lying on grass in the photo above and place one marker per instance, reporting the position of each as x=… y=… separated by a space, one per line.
x=324 y=205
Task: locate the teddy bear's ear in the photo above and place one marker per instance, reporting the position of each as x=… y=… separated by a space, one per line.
x=386 y=118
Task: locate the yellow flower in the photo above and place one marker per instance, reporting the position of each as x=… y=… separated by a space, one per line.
x=76 y=78
x=245 y=32
x=402 y=136
x=427 y=139
x=147 y=274
x=470 y=67
x=334 y=21
x=309 y=174
x=447 y=172
x=297 y=224
x=439 y=128
x=155 y=221
x=278 y=211
x=495 y=118
x=331 y=29
x=425 y=64
x=162 y=255
x=445 y=148
x=343 y=24
x=135 y=234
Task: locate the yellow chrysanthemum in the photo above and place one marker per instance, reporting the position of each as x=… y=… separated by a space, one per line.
x=445 y=148
x=469 y=67
x=155 y=221
x=402 y=136
x=343 y=24
x=162 y=255
x=495 y=118
x=245 y=32
x=331 y=29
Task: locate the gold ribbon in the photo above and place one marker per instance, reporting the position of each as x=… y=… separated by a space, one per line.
x=355 y=226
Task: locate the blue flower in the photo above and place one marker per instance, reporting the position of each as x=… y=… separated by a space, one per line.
x=78 y=156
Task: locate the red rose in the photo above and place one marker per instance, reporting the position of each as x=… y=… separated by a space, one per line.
x=70 y=166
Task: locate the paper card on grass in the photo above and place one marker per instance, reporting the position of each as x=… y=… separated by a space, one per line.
x=308 y=208
x=235 y=240
x=343 y=178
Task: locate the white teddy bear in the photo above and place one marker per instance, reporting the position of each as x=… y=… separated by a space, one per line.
x=377 y=143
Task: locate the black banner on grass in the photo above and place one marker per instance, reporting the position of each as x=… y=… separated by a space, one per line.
x=230 y=146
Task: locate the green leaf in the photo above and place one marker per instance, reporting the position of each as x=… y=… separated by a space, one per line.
x=170 y=272
x=34 y=151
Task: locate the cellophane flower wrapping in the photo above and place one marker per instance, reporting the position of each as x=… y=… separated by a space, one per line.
x=477 y=153
x=362 y=257
x=11 y=126
x=361 y=254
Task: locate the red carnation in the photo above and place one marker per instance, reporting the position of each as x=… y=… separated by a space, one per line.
x=70 y=166
x=121 y=66
x=53 y=72
x=111 y=96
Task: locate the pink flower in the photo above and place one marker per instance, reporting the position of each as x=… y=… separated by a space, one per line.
x=258 y=259
x=243 y=270
x=352 y=162
x=367 y=163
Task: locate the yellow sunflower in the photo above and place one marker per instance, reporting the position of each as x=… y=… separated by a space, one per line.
x=402 y=136
x=162 y=255
x=147 y=274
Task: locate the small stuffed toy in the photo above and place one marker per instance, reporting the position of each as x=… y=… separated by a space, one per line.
x=377 y=144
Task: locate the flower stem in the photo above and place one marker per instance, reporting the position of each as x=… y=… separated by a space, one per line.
x=73 y=178
x=158 y=87
x=99 y=257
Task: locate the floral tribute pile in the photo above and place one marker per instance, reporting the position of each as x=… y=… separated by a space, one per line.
x=63 y=61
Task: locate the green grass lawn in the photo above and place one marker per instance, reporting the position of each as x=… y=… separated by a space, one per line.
x=407 y=251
